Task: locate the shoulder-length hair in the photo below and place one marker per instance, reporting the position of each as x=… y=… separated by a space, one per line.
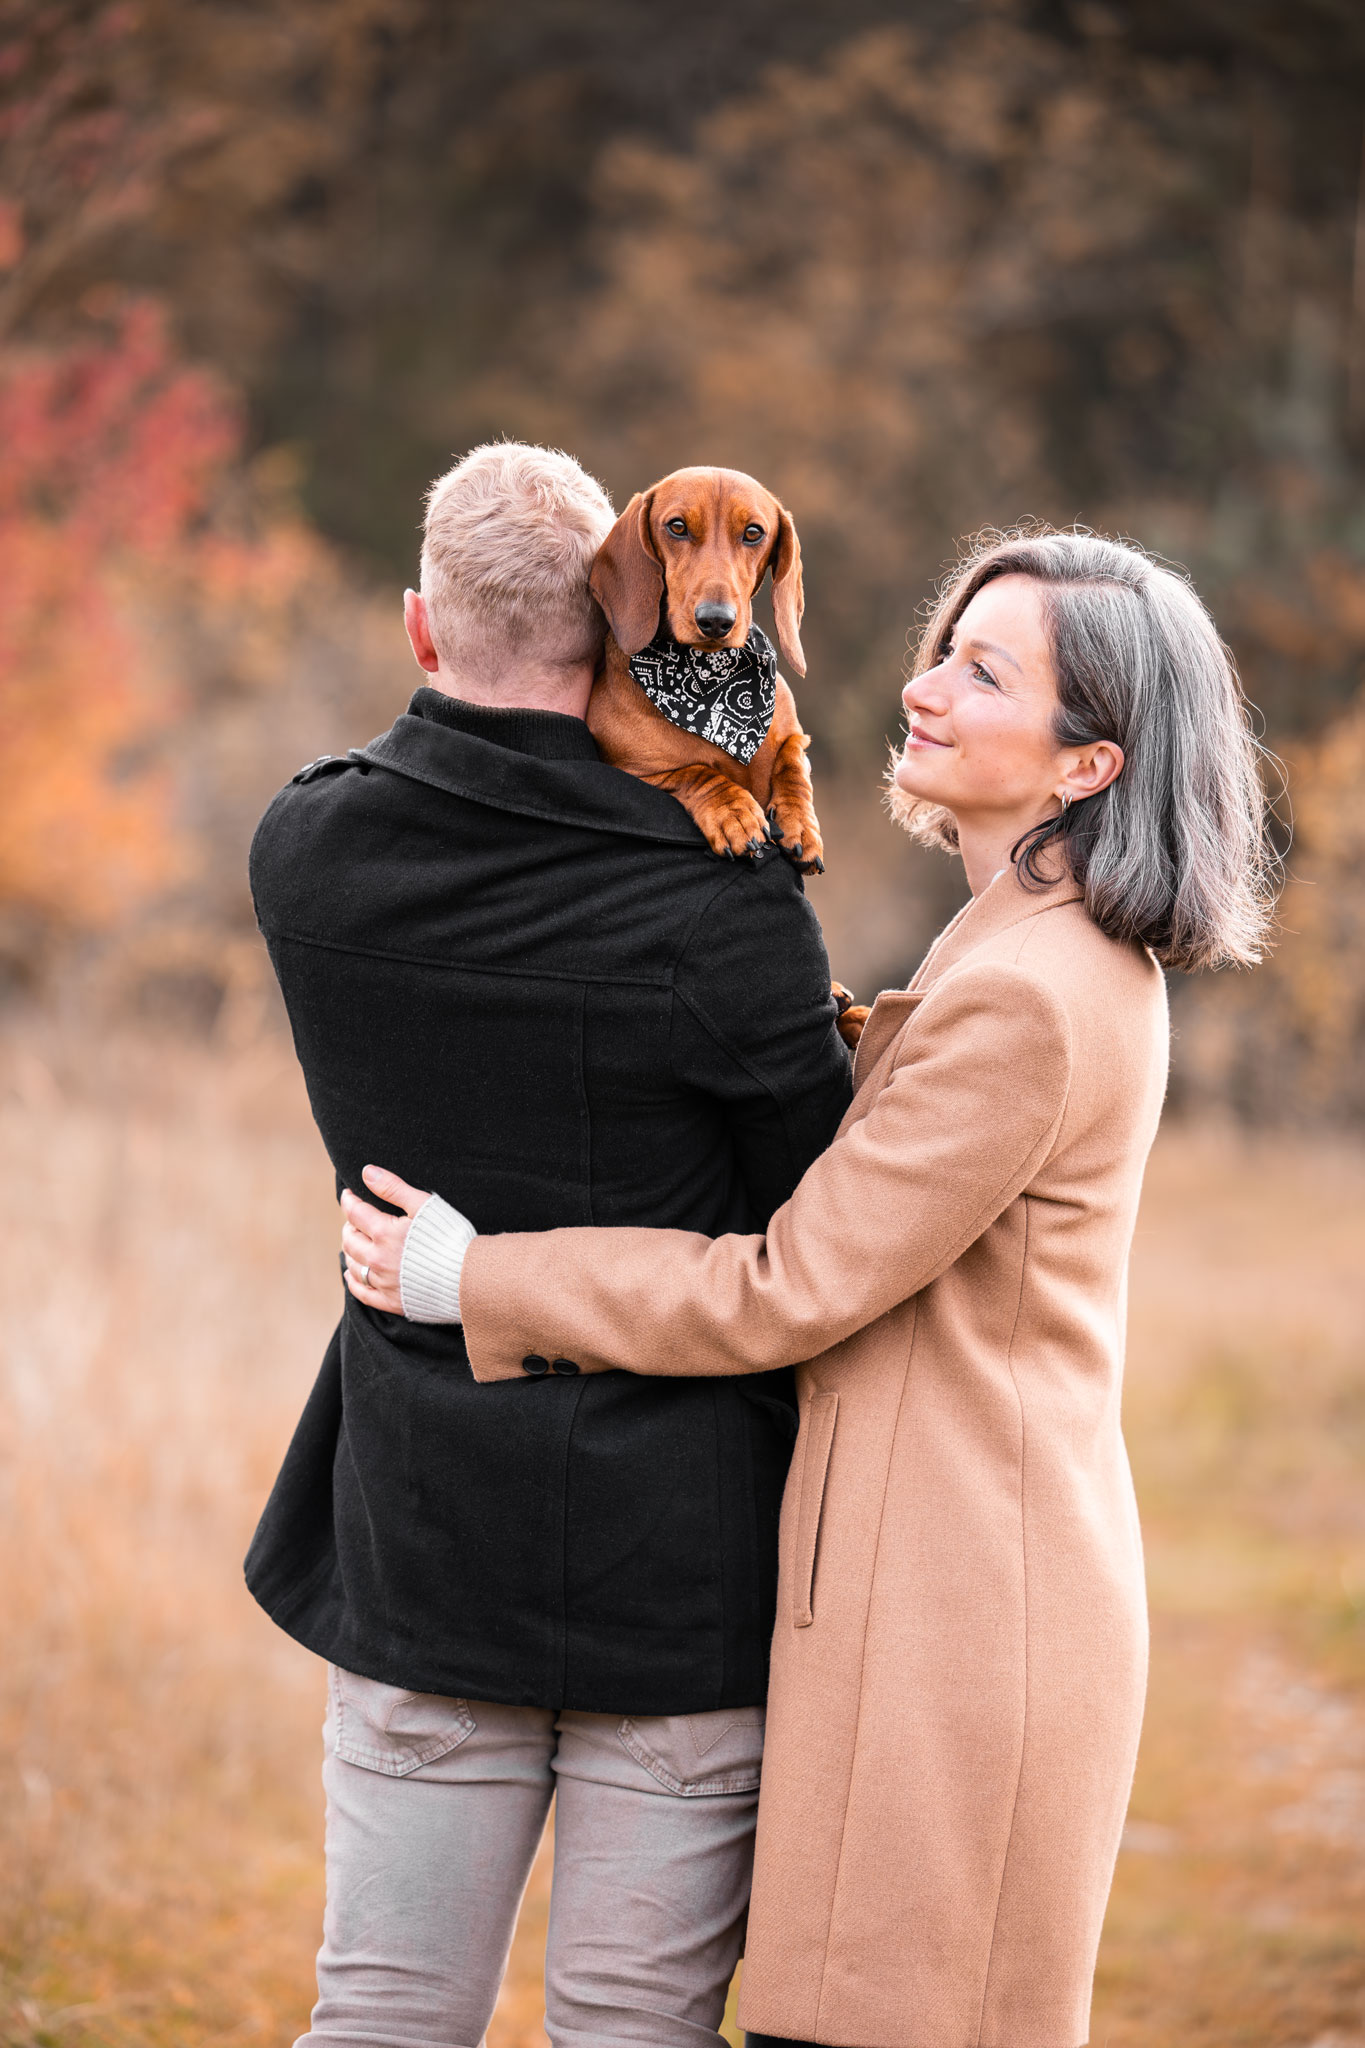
x=1175 y=852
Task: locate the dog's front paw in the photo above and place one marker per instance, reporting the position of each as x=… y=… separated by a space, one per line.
x=852 y=1016
x=796 y=829
x=731 y=821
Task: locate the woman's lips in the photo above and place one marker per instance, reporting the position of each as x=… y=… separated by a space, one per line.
x=916 y=738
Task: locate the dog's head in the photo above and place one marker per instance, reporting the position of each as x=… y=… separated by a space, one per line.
x=702 y=540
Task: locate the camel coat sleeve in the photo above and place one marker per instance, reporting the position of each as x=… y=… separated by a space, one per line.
x=972 y=1107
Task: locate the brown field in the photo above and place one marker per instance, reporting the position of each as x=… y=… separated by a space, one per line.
x=169 y=1257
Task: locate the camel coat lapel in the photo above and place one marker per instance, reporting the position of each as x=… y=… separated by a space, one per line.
x=995 y=910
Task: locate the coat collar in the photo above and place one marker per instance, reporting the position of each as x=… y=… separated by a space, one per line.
x=551 y=735
x=1006 y=902
x=577 y=790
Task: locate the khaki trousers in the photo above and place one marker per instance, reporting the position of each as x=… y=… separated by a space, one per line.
x=435 y=1809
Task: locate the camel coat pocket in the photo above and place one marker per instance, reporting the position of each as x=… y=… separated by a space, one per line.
x=818 y=1441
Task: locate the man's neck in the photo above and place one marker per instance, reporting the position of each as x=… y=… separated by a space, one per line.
x=564 y=689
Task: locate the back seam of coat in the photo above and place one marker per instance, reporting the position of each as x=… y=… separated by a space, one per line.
x=584 y=1099
x=726 y=1601
x=862 y=1668
x=708 y=1024
x=721 y=886
x=561 y=1683
x=738 y=1059
x=447 y=966
x=1023 y=1551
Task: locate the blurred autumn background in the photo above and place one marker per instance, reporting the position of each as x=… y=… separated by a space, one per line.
x=264 y=270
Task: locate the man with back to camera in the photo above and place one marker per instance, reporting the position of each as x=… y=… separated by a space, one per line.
x=585 y=1017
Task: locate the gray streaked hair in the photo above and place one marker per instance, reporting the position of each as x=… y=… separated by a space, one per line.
x=1175 y=853
x=509 y=538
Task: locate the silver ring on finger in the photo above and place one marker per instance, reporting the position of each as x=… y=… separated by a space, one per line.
x=364 y=1276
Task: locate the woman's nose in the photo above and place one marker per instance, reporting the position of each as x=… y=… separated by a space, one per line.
x=920 y=693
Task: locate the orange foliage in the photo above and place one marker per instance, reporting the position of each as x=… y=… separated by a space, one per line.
x=1317 y=979
x=1288 y=1042
x=114 y=454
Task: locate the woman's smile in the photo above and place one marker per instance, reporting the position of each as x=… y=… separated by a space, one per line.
x=918 y=737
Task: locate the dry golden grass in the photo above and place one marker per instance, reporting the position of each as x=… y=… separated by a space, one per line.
x=170 y=1220
x=1238 y=1916
x=169 y=1248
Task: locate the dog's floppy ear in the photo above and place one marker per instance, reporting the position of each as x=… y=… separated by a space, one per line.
x=789 y=596
x=627 y=577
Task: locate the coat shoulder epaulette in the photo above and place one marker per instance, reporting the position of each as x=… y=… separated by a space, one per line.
x=326 y=764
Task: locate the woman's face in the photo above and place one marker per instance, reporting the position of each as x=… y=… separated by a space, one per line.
x=981 y=739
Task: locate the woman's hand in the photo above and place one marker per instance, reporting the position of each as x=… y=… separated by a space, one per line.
x=373 y=1241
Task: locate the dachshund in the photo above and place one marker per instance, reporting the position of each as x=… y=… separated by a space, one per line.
x=695 y=547
x=698 y=545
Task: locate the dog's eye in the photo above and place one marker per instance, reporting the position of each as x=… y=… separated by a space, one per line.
x=678 y=526
x=753 y=534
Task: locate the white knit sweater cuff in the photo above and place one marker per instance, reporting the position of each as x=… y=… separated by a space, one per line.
x=433 y=1255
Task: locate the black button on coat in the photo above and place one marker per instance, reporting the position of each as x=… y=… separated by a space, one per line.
x=518 y=976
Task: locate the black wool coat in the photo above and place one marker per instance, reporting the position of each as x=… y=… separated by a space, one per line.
x=518 y=976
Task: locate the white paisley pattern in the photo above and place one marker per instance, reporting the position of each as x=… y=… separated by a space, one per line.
x=723 y=694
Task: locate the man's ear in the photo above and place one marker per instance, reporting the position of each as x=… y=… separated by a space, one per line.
x=627 y=577
x=418 y=623
x=789 y=595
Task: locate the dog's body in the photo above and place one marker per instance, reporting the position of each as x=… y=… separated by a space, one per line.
x=698 y=544
x=695 y=548
x=738 y=806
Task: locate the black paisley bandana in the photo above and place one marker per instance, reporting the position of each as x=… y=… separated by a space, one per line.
x=723 y=694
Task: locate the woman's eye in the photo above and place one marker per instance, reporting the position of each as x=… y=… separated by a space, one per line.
x=752 y=535
x=983 y=675
x=678 y=526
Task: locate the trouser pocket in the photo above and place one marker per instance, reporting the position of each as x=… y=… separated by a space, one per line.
x=382 y=1728
x=698 y=1754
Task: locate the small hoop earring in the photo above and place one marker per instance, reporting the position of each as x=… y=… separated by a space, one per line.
x=1066 y=799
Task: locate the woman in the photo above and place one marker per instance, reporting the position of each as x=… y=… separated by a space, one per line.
x=960 y=1658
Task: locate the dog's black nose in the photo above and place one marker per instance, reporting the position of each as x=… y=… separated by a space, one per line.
x=715 y=620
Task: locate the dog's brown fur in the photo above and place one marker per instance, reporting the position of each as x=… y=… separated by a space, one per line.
x=852 y=1015
x=642 y=563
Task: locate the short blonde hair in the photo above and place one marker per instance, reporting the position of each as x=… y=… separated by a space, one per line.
x=509 y=538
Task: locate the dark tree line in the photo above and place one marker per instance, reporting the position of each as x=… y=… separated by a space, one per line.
x=400 y=224
x=921 y=266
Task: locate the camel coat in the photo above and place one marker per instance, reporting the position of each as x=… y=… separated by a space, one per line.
x=960 y=1654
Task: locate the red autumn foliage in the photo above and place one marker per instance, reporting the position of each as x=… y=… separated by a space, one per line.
x=112 y=453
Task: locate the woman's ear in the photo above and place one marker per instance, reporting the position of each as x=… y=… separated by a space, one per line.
x=627 y=577
x=1092 y=770
x=789 y=595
